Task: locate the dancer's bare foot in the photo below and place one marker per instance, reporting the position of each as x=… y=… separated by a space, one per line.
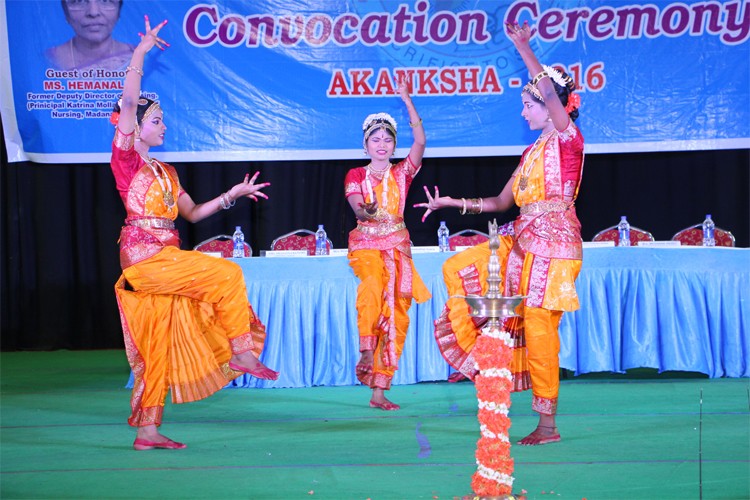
x=541 y=435
x=149 y=438
x=246 y=362
x=379 y=400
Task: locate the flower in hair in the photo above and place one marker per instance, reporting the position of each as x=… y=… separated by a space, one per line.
x=379 y=117
x=114 y=117
x=556 y=76
x=574 y=102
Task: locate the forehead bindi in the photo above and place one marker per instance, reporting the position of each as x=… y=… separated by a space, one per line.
x=381 y=134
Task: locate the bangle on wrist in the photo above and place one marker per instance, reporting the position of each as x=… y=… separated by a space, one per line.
x=463 y=206
x=134 y=68
x=225 y=202
x=476 y=206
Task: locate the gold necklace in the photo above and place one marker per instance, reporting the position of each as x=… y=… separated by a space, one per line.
x=165 y=184
x=378 y=173
x=528 y=165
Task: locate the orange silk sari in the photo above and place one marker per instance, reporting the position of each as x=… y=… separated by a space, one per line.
x=183 y=313
x=540 y=258
x=380 y=256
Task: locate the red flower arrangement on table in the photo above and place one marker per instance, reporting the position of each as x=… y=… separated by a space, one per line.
x=492 y=353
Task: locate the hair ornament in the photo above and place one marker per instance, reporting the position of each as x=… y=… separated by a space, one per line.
x=114 y=118
x=533 y=90
x=574 y=102
x=379 y=118
x=560 y=78
x=153 y=108
x=563 y=80
x=555 y=75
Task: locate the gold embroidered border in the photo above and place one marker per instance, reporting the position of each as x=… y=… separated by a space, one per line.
x=151 y=223
x=545 y=206
x=150 y=415
x=381 y=381
x=381 y=229
x=546 y=406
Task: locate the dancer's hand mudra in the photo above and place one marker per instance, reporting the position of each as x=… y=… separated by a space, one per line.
x=433 y=202
x=151 y=37
x=249 y=189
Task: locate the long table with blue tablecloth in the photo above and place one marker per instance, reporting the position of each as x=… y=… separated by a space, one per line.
x=673 y=308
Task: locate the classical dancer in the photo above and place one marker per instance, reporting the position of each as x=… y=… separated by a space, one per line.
x=187 y=323
x=380 y=248
x=540 y=252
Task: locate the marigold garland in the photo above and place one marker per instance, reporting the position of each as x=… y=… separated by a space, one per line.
x=495 y=389
x=493 y=354
x=495 y=359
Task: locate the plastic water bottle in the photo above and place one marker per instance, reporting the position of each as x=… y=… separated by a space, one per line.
x=623 y=232
x=238 y=243
x=443 y=234
x=321 y=241
x=708 y=232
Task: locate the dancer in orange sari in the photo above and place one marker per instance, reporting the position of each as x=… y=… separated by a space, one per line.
x=380 y=249
x=186 y=320
x=540 y=254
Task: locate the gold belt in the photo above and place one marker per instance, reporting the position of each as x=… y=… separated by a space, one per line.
x=151 y=223
x=545 y=206
x=381 y=229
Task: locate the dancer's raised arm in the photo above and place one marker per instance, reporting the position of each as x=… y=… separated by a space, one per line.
x=134 y=72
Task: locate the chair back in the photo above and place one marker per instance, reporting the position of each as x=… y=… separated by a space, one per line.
x=221 y=243
x=299 y=239
x=611 y=234
x=693 y=236
x=467 y=238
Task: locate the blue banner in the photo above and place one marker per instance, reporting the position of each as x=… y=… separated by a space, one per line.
x=285 y=79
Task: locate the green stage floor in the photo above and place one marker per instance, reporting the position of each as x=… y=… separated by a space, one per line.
x=64 y=434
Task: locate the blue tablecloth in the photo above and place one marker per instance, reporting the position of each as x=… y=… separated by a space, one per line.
x=684 y=309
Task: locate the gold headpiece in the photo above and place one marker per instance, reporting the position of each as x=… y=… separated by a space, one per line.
x=153 y=108
x=555 y=75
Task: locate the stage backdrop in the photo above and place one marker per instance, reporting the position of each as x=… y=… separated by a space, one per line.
x=293 y=80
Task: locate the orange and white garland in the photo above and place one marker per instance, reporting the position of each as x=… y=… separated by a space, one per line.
x=492 y=353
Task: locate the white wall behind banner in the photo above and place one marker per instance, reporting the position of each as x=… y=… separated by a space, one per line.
x=282 y=79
